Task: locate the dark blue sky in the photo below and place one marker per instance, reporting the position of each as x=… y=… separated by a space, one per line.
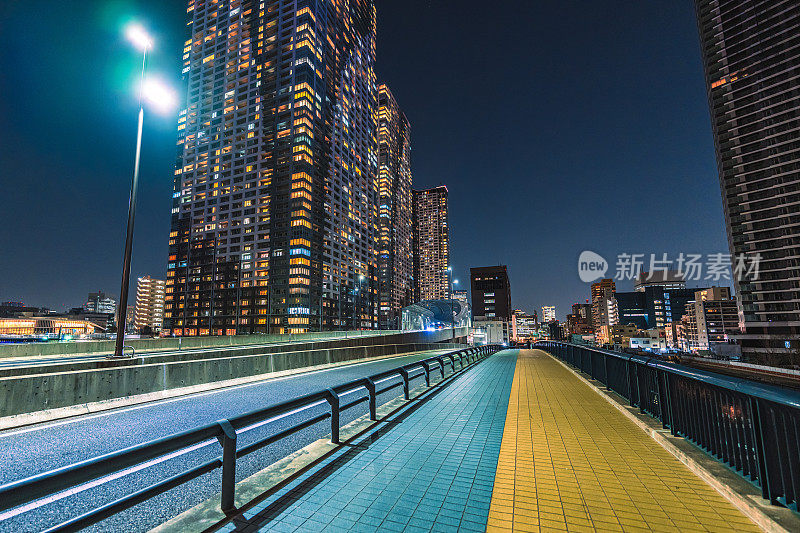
x=557 y=127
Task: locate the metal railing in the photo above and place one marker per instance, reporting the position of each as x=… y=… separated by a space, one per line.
x=225 y=431
x=753 y=428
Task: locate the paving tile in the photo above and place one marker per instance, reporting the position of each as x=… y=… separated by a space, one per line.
x=570 y=460
x=421 y=474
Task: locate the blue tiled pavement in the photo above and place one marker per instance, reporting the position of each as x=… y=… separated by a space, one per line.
x=430 y=469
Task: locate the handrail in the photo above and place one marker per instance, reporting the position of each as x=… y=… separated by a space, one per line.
x=45 y=484
x=750 y=426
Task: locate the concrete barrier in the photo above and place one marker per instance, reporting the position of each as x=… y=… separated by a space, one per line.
x=210 y=353
x=190 y=343
x=36 y=392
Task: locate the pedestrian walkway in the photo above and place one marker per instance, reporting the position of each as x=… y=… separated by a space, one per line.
x=517 y=443
x=571 y=461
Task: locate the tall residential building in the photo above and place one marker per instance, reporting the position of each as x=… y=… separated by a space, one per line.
x=275 y=197
x=395 y=250
x=548 y=313
x=149 y=310
x=491 y=293
x=431 y=244
x=604 y=309
x=750 y=56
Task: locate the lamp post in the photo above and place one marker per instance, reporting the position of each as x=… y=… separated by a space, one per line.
x=452 y=305
x=356 y=301
x=160 y=95
x=141 y=40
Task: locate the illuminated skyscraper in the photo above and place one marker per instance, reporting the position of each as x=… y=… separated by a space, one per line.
x=548 y=313
x=274 y=216
x=751 y=61
x=431 y=244
x=395 y=253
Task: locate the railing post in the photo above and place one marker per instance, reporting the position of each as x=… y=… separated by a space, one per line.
x=373 y=398
x=228 y=442
x=404 y=374
x=628 y=366
x=333 y=400
x=663 y=408
x=441 y=365
x=452 y=362
x=756 y=424
x=427 y=366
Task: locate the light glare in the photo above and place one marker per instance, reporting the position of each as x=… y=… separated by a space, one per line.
x=137 y=35
x=159 y=95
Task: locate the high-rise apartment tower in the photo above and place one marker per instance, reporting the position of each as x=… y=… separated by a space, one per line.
x=274 y=215
x=431 y=244
x=751 y=57
x=395 y=251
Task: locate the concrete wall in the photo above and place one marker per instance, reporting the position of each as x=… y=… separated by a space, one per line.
x=37 y=392
x=187 y=343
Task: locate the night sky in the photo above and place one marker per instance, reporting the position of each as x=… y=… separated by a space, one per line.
x=557 y=127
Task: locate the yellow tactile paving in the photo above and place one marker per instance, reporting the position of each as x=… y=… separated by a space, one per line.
x=569 y=461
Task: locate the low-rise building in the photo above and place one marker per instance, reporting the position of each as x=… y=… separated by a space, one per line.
x=711 y=319
x=523 y=326
x=490 y=332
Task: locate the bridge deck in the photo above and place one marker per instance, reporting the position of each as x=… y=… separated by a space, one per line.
x=517 y=443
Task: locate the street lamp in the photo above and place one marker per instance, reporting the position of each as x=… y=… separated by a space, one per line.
x=156 y=93
x=452 y=311
x=355 y=302
x=452 y=304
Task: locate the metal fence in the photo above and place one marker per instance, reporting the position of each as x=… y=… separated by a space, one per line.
x=754 y=428
x=225 y=431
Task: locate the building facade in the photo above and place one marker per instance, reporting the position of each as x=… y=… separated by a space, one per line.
x=653 y=306
x=666 y=279
x=548 y=313
x=149 y=310
x=274 y=215
x=579 y=322
x=604 y=309
x=749 y=54
x=491 y=293
x=431 y=244
x=714 y=319
x=100 y=302
x=524 y=326
x=395 y=247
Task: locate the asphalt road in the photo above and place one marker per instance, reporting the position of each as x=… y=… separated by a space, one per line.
x=31 y=450
x=81 y=358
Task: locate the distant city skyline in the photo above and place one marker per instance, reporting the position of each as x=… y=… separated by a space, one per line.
x=614 y=139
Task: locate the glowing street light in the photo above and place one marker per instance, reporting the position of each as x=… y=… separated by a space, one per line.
x=161 y=97
x=138 y=36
